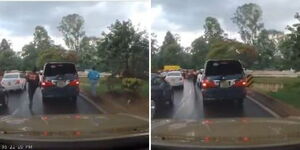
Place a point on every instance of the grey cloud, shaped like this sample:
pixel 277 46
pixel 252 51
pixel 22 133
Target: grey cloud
pixel 190 14
pixel 20 18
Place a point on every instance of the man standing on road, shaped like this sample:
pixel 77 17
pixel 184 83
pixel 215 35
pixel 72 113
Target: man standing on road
pixel 33 83
pixel 94 77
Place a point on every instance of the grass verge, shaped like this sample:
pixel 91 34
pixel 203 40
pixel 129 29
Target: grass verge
pixel 115 87
pixel 290 92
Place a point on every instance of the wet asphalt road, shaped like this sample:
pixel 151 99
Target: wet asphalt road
pixel 18 105
pixel 187 104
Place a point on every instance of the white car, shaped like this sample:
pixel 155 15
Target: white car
pixel 14 81
pixel 174 78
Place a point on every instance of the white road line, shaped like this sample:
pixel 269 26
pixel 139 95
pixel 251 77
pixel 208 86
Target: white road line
pixel 16 111
pixel 93 103
pixel 264 107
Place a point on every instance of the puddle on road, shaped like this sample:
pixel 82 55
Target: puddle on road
pixel 268 87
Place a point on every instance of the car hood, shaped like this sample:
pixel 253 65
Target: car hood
pixel 226 133
pixel 71 127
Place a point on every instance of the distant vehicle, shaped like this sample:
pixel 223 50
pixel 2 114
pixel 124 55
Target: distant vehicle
pixel 14 81
pixel 171 67
pixel 161 91
pixel 163 74
pixel 223 80
pixel 174 78
pixel 60 80
pixel 3 97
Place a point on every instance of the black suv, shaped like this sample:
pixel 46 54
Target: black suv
pixel 223 80
pixel 60 80
pixel 161 91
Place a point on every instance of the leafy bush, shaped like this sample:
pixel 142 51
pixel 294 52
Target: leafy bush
pixel 131 84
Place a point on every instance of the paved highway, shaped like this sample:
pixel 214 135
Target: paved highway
pixel 188 105
pixel 18 105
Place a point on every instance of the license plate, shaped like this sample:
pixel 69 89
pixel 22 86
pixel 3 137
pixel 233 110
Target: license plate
pixel 224 84
pixel 60 84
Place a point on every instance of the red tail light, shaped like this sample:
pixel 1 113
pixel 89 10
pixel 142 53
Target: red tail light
pixel 47 83
pixel 74 83
pixel 208 84
pixel 240 83
pixel 18 82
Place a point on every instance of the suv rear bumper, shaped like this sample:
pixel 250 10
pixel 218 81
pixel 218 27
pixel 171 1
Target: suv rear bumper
pixel 231 93
pixel 56 92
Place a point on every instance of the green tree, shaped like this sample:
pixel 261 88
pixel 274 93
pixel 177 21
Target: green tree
pixel 212 29
pixel 4 45
pixel 56 53
pixel 71 26
pixel 267 48
pixel 31 52
pixel 199 51
pixel 41 39
pixel 170 51
pixel 248 18
pixel 9 60
pixel 290 46
pixel 122 47
pixel 231 49
pixel 30 55
pixel 88 56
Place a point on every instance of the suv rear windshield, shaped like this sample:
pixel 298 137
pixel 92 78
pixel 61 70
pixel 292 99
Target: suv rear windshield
pixel 11 76
pixel 216 68
pixel 59 69
pixel 174 74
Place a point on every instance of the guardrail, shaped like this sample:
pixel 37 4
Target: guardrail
pixel 262 73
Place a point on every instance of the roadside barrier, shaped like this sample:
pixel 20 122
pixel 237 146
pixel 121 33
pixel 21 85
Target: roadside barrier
pixel 249 80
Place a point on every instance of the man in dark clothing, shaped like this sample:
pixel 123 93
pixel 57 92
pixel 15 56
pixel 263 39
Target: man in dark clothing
pixel 33 83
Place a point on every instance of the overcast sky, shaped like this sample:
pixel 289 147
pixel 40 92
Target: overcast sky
pixel 18 19
pixel 186 17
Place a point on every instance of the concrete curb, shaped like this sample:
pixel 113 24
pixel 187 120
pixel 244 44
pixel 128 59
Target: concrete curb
pixel 92 103
pixel 278 107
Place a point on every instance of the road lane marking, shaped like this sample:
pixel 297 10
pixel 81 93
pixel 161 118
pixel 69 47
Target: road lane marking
pixel 16 111
pixel 187 96
pixel 264 107
pixel 93 103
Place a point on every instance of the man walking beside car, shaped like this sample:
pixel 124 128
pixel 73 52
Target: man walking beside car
pixel 33 83
pixel 94 77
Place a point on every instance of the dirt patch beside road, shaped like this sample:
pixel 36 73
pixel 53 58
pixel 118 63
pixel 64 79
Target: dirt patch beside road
pixel 121 103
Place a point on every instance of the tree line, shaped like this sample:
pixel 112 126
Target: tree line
pixel 260 48
pixel 121 50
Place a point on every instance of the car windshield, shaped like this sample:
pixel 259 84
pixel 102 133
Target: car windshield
pixel 59 69
pixel 11 76
pixel 223 68
pixel 174 74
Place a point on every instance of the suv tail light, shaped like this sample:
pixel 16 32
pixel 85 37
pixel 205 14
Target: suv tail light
pixel 240 83
pixel 74 83
pixel 47 83
pixel 208 84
